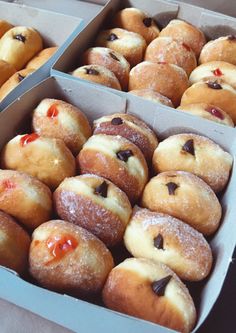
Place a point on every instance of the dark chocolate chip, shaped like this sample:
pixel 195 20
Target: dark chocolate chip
pixel 124 155
pixel 159 286
pixel 20 77
pixel 147 22
pixel 159 242
pixel 114 56
pixel 20 37
pixel 171 188
pixel 102 189
pixel 91 71
pixel 188 147
pixel 112 37
pixel 117 121
pixel 214 85
pixel 232 37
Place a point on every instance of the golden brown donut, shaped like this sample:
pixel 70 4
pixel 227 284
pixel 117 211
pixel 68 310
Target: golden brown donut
pixel 196 154
pixel 220 49
pixel 19 45
pixel 68 259
pixel 167 79
pixel 186 197
pixel 185 33
pixel 98 74
pixel 14 244
pixel 47 159
pixel 117 159
pixel 25 198
pixel 130 44
pixel 13 81
pixel 6 71
pixel 135 20
pixel 152 95
pixel 150 291
pixel 96 204
pixel 4 27
pixel 207 111
pixel 42 57
pixel 217 69
pixel 166 49
pixel 54 118
pixel 215 92
pixel 110 59
pixel 131 128
pixel 165 239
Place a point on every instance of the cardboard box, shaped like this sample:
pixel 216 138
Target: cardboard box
pixel 75 314
pixel 55 29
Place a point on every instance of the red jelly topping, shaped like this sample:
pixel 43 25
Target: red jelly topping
pixel 188 48
pixel 216 112
pixel 162 62
pixel 52 111
pixel 217 72
pixel 28 138
pixel 8 184
pixel 60 245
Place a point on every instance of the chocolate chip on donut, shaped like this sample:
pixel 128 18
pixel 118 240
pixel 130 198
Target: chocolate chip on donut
pixel 147 21
pixel 112 37
pixel 116 121
pixel 102 189
pixel 124 155
pixel 214 85
pixel 159 286
pixel 172 187
pixel 232 37
pixel 91 71
pixel 188 147
pixel 114 56
pixel 20 77
pixel 159 242
pixel 20 37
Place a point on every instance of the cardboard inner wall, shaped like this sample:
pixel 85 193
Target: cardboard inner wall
pixel 165 122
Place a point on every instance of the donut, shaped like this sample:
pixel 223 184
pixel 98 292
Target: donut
pixel 67 258
pixel 13 82
pixel 97 74
pixel 217 69
pixel 196 154
pixel 47 159
pixel 95 204
pixel 135 20
pixel 19 44
pixel 186 197
pixel 14 244
pixel 167 79
pixel 25 198
pixel 57 119
pixel 6 71
pixel 185 32
pixel 4 27
pixel 117 159
pixel 215 92
pixel 220 49
pixel 207 111
pixel 130 44
pixel 110 59
pixel 131 128
pixel 42 57
pixel 166 239
pixel 152 95
pixel 166 49
pixel 151 291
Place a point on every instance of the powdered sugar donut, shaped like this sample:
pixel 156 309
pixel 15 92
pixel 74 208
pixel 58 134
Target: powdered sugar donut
pixel 165 239
pixel 186 197
pixel 130 44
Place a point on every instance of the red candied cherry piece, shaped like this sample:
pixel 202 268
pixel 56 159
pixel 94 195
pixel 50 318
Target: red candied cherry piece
pixel 216 112
pixel 217 72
